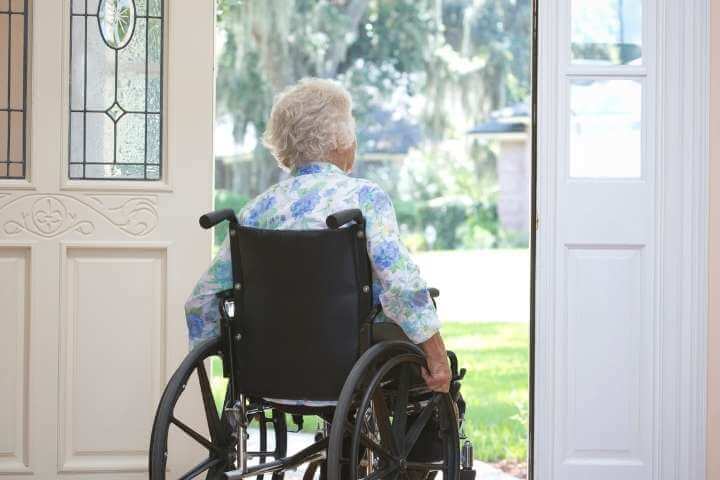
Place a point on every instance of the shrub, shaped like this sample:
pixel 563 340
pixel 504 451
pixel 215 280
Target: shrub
pixel 226 199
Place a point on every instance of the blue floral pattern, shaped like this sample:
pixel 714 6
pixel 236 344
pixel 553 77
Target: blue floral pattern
pixel 304 201
pixel 259 209
pixel 386 254
pixel 304 205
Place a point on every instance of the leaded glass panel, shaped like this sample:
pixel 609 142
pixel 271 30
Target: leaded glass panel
pixel 13 88
pixel 116 91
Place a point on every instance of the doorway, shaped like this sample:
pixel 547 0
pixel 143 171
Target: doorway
pixel 444 129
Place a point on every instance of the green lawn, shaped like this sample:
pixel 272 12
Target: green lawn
pixel 495 387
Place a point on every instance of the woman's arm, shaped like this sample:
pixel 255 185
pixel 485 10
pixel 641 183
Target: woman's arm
pixel 202 312
pixel 404 298
pixel 404 295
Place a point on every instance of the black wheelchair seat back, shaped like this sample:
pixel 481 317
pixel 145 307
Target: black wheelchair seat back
pixel 301 299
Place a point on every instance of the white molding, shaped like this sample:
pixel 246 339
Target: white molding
pixel 683 159
pixel 546 190
pixel 680 147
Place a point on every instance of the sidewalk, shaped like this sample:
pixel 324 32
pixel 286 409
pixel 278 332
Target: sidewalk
pixel 298 441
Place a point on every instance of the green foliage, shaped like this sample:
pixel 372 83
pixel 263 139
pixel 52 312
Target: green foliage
pixel 446 199
pixel 500 32
pixel 479 51
pixel 450 62
pixel 226 199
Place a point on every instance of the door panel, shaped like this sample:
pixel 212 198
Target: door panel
pixel 95 272
pixel 110 334
pixel 14 298
pixel 606 352
pixel 603 241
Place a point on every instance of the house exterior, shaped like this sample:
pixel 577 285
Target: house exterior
pixel 510 128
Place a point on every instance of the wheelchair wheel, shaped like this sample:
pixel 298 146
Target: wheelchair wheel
pixel 388 425
pixel 221 444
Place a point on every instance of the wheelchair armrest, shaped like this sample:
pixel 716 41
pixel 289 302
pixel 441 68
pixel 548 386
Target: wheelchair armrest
pixel 387 331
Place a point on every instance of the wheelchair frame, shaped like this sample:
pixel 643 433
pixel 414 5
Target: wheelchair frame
pixel 380 345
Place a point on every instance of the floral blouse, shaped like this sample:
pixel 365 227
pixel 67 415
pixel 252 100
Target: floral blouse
pixel 302 202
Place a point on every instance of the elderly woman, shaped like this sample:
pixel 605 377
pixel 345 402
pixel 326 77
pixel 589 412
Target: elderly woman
pixel 311 133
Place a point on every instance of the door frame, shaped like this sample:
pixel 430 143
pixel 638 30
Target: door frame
pixel 681 230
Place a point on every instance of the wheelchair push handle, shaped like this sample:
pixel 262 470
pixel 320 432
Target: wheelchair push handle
pixel 338 219
pixel 211 219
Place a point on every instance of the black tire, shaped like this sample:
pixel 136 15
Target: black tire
pixel 221 444
pixel 390 370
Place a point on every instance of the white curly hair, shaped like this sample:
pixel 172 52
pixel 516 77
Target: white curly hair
pixel 308 121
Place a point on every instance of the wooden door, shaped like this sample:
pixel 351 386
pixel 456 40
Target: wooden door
pixel 99 242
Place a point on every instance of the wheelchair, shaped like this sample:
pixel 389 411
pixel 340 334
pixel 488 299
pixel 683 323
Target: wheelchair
pixel 298 338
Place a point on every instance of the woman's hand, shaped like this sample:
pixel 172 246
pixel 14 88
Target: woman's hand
pixel 437 376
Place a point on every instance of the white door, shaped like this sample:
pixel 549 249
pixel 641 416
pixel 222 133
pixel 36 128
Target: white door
pixel 620 284
pixel 99 242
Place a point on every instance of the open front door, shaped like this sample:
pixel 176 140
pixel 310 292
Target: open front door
pixel 622 196
pixel 105 164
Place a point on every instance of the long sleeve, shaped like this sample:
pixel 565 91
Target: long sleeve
pixel 404 297
pixel 202 307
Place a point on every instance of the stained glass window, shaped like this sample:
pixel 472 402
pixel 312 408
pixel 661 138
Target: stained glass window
pixel 13 88
pixel 116 90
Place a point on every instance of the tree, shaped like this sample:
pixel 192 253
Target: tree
pixel 457 59
pixel 271 44
pixel 459 54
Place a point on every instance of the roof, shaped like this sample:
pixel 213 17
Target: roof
pixel 494 126
pixel 512 119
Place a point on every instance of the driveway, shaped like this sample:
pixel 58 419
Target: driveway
pixel 479 285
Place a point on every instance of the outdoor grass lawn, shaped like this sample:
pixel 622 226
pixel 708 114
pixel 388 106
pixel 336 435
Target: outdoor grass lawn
pixel 495 388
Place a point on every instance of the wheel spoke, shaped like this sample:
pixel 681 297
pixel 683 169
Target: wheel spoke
pixel 419 424
pixel 200 468
pixel 376 447
pixel 382 473
pixel 382 416
pixel 310 471
pixel 211 413
pixel 224 413
pixel 196 436
pixel 426 466
pixel 400 408
pixel 262 421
